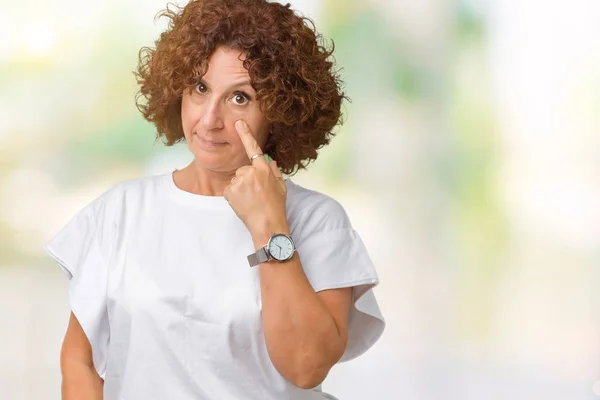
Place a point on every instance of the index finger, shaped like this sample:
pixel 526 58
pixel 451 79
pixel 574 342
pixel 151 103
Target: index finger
pixel 248 140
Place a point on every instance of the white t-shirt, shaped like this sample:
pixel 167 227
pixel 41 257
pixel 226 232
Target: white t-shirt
pixel 161 286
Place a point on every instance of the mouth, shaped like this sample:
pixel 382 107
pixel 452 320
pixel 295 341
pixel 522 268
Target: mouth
pixel 210 143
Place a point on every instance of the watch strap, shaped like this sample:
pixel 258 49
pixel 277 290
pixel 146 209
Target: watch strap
pixel 260 256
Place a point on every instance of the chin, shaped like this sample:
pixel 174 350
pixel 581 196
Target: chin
pixel 213 162
pixel 209 160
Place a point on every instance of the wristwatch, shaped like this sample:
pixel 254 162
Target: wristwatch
pixel 280 247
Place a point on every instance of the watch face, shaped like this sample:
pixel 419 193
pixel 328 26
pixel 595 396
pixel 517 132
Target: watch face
pixel 281 247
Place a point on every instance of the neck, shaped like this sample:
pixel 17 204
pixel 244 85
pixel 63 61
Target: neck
pixel 199 180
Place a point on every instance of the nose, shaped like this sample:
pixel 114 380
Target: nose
pixel 212 118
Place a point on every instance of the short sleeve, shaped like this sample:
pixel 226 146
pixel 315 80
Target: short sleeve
pixel 78 249
pixel 335 257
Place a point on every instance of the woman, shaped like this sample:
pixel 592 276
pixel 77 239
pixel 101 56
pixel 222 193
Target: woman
pixel 222 280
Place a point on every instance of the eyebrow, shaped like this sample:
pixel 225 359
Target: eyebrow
pixel 237 85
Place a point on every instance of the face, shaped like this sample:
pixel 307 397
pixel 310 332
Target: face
pixel 209 112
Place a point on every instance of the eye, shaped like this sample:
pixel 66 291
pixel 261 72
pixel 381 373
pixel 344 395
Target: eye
pixel 201 88
pixel 240 98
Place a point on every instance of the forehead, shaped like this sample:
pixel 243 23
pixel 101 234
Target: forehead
pixel 226 63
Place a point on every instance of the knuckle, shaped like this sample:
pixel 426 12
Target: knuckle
pixel 241 171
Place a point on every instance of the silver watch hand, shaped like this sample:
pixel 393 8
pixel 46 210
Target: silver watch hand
pixel 279 250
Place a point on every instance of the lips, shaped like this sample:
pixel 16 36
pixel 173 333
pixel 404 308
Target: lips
pixel 210 143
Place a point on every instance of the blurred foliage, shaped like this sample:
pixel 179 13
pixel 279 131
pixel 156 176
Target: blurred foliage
pixel 469 23
pixel 480 227
pixel 377 54
pixel 372 61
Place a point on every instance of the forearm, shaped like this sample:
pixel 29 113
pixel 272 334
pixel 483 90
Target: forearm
pixel 301 335
pixel 80 381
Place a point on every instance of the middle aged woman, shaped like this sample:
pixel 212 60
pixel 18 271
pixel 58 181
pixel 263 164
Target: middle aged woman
pixel 222 280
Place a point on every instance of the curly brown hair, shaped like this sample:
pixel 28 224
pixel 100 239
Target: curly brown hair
pixel 290 68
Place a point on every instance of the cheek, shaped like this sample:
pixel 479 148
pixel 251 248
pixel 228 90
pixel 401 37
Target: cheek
pixel 189 115
pixel 261 131
pixel 257 122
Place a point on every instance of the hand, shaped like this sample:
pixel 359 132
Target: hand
pixel 258 193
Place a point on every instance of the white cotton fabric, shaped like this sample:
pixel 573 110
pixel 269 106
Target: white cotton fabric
pixel 160 284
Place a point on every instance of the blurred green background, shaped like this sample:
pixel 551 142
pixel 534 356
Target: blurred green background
pixel 469 162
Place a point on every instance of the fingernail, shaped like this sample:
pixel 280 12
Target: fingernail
pixel 239 124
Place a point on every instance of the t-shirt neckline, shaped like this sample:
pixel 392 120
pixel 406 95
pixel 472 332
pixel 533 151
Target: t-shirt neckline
pixel 200 201
pixel 192 199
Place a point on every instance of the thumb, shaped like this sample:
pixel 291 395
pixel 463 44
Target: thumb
pixel 278 176
pixel 275 169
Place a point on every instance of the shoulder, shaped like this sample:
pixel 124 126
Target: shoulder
pixel 313 211
pixel 123 195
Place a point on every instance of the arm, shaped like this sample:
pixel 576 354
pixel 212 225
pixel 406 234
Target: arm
pixel 79 377
pixel 306 332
